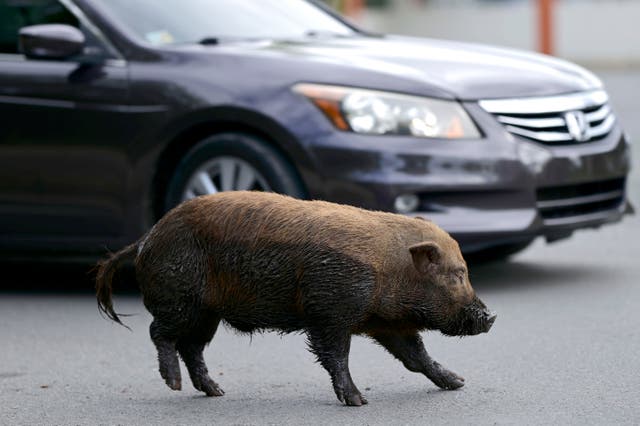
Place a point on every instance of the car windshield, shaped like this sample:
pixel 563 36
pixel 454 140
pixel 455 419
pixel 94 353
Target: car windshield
pixel 209 21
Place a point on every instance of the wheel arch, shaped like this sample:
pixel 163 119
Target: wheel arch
pixel 189 131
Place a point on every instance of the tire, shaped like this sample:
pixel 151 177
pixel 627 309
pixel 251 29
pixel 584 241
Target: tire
pixel 498 253
pixel 229 159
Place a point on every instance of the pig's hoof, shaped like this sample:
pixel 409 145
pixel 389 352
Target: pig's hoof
pixel 211 388
pixel 448 380
pixel 174 384
pixel 354 400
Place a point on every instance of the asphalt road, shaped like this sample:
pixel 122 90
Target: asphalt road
pixel 564 350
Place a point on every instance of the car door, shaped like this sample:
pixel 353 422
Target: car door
pixel 63 137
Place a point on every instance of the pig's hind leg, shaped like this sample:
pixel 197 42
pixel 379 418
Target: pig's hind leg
pixel 331 347
pixel 410 350
pixel 167 355
pixel 190 349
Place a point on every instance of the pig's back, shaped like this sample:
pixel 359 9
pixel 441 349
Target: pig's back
pixel 258 219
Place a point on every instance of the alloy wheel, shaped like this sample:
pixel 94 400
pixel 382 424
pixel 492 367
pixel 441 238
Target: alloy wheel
pixel 224 174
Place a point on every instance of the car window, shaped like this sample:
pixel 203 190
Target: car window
pixel 15 14
pixel 191 21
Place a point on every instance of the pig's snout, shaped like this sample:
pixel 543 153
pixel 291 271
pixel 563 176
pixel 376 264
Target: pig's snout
pixel 473 319
pixel 484 318
pixel 489 317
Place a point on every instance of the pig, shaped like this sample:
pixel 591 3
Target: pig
pixel 262 261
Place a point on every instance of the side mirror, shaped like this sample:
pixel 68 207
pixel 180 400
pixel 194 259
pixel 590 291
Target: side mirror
pixel 51 41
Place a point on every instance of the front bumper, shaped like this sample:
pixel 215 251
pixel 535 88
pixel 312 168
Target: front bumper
pixel 497 190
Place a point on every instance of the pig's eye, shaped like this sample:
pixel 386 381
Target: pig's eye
pixel 460 274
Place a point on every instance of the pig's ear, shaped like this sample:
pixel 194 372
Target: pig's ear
pixel 425 254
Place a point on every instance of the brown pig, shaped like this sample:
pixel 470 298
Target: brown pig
pixel 261 261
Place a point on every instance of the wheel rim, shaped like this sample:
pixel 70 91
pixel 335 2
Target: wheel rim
pixel 224 174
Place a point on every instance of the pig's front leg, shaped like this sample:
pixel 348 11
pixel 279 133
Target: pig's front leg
pixel 331 347
pixel 410 350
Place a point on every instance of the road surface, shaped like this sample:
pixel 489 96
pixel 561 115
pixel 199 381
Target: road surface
pixel 565 348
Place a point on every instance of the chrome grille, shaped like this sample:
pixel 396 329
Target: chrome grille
pixel 555 120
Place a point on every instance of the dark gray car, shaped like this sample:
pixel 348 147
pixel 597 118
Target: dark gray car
pixel 123 109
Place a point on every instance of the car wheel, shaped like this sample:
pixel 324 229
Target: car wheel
pixel 498 253
pixel 231 162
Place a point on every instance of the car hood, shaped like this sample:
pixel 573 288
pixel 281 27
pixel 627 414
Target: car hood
pixel 449 69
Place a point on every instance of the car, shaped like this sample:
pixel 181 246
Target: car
pixel 113 112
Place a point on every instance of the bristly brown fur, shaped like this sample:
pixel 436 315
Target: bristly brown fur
pixel 263 261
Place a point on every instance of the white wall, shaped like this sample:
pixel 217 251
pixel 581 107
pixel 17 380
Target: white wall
pixel 592 32
pixel 604 31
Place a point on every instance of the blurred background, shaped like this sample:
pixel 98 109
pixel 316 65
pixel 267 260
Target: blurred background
pixel 594 33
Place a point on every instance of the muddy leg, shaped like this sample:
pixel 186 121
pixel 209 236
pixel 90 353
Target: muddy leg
pixel 410 350
pixel 190 350
pixel 167 356
pixel 332 351
pixel 191 354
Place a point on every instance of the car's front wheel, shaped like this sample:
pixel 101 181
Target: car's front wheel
pixel 231 162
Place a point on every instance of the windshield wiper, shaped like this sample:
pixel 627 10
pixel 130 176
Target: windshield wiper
pixel 209 41
pixel 214 41
pixel 324 34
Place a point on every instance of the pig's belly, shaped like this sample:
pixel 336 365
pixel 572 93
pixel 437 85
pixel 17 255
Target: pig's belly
pixel 259 313
pixel 258 292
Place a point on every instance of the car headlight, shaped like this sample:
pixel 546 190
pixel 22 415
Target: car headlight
pixel 375 112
